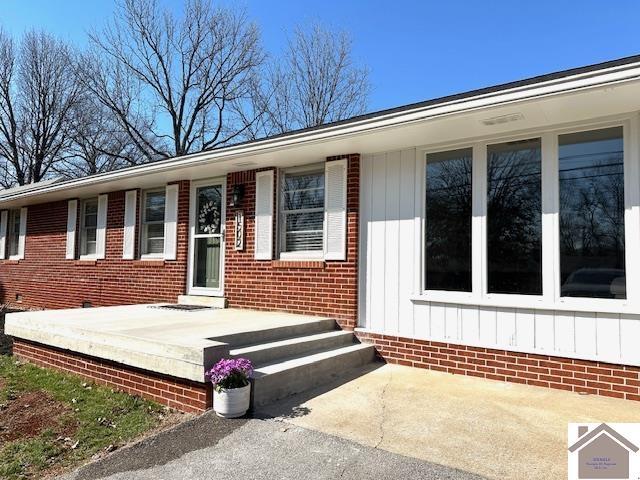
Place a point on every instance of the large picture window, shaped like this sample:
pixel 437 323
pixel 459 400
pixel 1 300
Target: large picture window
pixel 592 250
pixel 302 211
pixel 153 210
pixel 448 221
pixel 88 226
pixel 514 218
pixel 577 177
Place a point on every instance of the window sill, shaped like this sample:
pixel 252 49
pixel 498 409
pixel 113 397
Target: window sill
pixel 310 264
pixel 152 257
pixel 598 305
pixel 304 256
pixel 149 262
pixel 87 261
pixel 10 261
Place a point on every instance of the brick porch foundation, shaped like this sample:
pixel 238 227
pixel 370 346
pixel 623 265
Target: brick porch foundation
pixel 183 395
pixel 596 378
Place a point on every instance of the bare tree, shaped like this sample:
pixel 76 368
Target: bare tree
pixel 316 82
pixel 97 143
pixel 9 150
pixel 175 86
pixel 38 91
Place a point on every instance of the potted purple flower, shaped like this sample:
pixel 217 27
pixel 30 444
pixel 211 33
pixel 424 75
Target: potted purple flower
pixel 231 386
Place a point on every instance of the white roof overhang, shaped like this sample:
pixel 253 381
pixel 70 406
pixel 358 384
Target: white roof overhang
pixel 579 97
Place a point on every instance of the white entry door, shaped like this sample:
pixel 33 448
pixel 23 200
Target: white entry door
pixel 206 239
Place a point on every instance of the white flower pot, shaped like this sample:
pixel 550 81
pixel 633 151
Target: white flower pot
pixel 232 403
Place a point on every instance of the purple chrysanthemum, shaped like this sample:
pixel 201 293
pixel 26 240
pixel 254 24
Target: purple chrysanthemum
pixel 230 373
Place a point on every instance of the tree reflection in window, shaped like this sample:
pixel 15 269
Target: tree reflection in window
pixel 448 221
pixel 514 221
pixel 592 250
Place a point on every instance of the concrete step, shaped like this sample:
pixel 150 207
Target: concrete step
pixel 205 301
pixel 257 336
pixel 263 353
pixel 292 375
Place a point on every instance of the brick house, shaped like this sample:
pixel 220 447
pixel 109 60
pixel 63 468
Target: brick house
pixel 494 233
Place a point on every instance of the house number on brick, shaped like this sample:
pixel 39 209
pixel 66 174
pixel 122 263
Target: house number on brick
pixel 239 230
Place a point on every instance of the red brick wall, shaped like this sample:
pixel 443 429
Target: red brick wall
pixel 45 279
pixel 180 394
pixel 327 288
pixel 596 378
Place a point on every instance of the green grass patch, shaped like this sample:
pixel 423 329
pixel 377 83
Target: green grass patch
pixel 89 419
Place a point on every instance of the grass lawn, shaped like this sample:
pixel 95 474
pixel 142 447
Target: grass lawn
pixel 50 421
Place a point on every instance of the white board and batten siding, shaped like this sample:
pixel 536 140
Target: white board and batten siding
pixel 389 280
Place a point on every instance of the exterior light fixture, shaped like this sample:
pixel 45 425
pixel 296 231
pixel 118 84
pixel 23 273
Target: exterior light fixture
pixel 237 193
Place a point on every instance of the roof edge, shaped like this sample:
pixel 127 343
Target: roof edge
pixel 392 116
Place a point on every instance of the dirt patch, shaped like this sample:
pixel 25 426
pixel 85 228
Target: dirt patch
pixel 6 342
pixel 31 414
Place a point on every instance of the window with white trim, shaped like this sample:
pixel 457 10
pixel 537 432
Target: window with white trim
pixel 88 226
pixel 13 233
pixel 153 216
pixel 302 212
pixel 576 178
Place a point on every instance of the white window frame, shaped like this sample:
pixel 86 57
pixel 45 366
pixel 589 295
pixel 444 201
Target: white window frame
pixel 143 223
pixel 11 233
pixel 303 254
pixel 82 236
pixel 550 298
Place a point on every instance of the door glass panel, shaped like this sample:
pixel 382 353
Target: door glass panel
pixel 208 209
pixel 206 272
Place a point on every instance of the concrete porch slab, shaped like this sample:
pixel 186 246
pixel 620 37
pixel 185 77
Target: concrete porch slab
pixel 181 344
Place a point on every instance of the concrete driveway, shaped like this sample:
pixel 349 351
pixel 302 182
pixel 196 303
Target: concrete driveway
pixel 385 421
pixel 493 429
pixel 208 447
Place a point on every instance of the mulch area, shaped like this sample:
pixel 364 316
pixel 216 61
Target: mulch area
pixel 31 414
pixel 6 344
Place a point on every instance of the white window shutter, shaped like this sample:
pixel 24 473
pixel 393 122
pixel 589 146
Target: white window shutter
pixel 129 230
pixel 72 220
pixel 101 228
pixel 171 222
pixel 3 233
pixel 264 216
pixel 23 233
pixel 335 210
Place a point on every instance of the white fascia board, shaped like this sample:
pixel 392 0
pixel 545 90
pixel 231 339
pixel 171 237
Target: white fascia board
pixel 569 84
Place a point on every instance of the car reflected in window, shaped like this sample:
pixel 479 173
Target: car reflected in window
pixel 595 283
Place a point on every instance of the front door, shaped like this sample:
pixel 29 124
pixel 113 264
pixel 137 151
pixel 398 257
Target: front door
pixel 206 266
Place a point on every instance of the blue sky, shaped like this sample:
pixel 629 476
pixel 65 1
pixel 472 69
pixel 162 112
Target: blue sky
pixel 415 49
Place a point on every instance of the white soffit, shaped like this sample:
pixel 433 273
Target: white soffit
pixel 569 99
